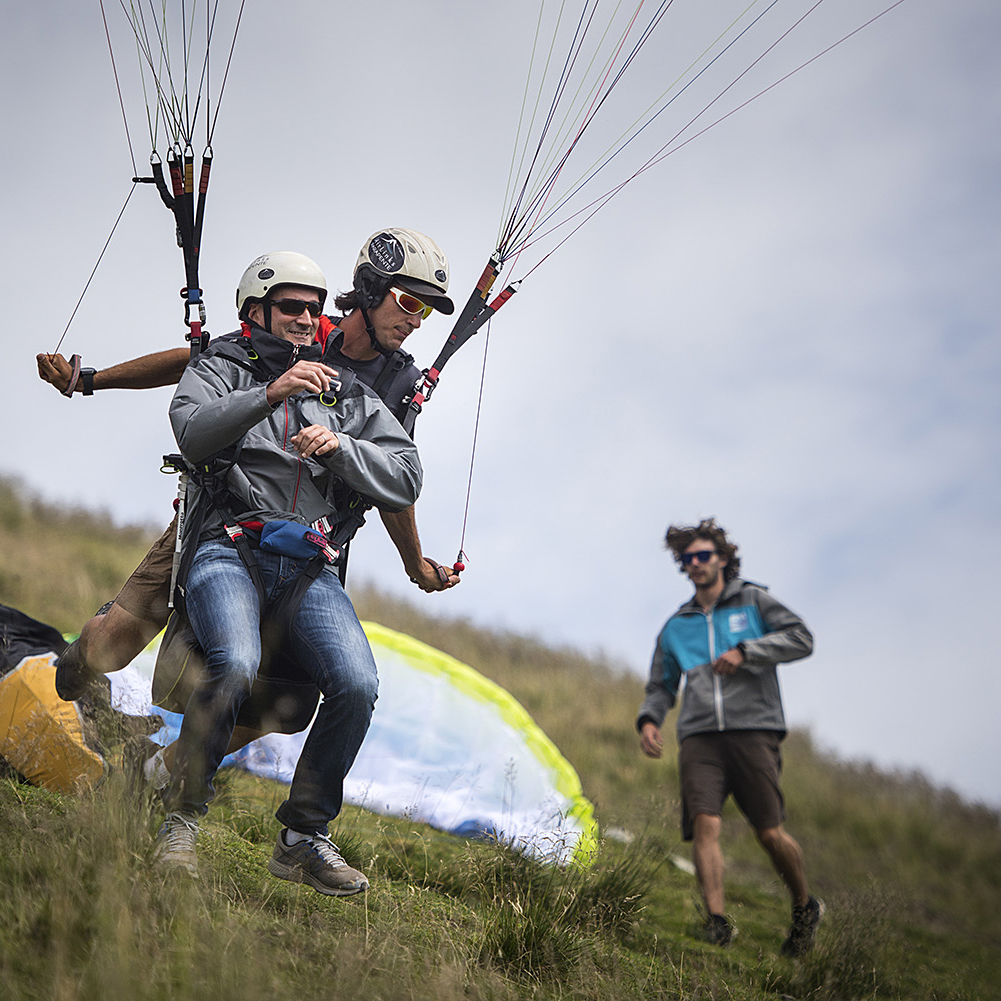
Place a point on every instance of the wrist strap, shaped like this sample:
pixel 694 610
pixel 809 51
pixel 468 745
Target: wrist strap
pixel 74 376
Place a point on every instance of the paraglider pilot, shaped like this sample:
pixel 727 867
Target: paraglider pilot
pixel 400 275
pixel 295 436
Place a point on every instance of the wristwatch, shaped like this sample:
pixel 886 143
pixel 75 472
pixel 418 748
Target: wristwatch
pixel 87 378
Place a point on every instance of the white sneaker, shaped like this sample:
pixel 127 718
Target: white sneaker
pixel 175 844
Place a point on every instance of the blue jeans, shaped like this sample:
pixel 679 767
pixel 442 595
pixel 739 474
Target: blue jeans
pixel 327 643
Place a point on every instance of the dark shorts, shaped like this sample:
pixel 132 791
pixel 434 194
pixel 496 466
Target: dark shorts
pixel 743 763
pixel 146 593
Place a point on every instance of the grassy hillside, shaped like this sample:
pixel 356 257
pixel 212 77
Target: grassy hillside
pixel 911 874
pixel 60 565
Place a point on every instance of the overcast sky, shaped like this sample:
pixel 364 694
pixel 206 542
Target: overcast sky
pixel 791 323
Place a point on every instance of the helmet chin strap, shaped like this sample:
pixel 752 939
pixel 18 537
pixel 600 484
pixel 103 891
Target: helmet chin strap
pixel 266 310
pixel 376 346
pixel 370 295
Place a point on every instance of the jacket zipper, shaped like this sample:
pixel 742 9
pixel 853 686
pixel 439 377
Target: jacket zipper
pixel 717 680
pixel 293 358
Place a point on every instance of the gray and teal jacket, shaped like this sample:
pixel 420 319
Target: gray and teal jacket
pixel 745 616
pixel 220 406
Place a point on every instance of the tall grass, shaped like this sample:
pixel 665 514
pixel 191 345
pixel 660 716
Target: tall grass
pixel 911 873
pixel 60 564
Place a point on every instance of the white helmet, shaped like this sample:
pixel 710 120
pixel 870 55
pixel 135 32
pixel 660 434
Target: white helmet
pixel 283 267
pixel 406 258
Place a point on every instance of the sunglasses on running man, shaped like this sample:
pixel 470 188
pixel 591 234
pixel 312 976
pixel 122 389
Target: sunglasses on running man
pixel 296 307
pixel 702 556
pixel 410 303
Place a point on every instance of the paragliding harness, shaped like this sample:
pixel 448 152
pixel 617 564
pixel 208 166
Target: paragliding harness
pixel 395 361
pixel 316 546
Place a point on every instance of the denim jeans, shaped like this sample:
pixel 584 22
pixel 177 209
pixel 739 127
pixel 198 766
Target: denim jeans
pixel 327 642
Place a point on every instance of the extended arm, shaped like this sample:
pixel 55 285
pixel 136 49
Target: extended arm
pixel 163 368
pixel 425 573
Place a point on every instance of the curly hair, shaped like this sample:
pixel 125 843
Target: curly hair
pixel 680 537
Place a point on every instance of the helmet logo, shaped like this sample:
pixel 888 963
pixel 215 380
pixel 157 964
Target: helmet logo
pixel 386 253
pixel 441 276
pixel 265 273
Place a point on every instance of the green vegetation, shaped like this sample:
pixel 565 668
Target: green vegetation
pixel 59 564
pixel 911 874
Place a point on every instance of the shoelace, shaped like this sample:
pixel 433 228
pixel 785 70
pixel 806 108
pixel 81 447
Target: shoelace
pixel 327 850
pixel 181 833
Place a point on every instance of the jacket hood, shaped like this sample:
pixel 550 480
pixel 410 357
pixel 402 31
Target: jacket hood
pixel 730 589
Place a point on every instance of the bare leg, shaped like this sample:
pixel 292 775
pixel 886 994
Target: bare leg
pixel 787 857
pixel 107 643
pixel 111 641
pixel 709 863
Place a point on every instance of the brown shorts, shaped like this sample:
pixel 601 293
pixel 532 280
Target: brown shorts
pixel 146 593
pixel 743 763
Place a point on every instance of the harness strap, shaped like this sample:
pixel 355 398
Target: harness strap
pixel 239 539
pixel 276 620
pixel 395 362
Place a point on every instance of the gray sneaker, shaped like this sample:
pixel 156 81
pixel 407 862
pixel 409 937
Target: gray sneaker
pixel 317 862
pixel 175 844
pixel 805 919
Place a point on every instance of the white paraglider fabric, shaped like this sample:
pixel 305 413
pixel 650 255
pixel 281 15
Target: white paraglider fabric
pixel 447 747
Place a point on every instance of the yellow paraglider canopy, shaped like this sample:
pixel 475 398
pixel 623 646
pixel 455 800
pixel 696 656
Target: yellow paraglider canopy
pixel 42 736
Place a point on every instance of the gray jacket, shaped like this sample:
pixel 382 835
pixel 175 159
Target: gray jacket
pixel 745 616
pixel 220 402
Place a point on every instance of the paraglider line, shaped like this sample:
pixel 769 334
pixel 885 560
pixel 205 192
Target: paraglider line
pixel 518 233
pixel 225 75
pixel 591 174
pixel 667 149
pixel 527 239
pixel 99 259
pixel 121 101
pixel 516 225
pixel 472 454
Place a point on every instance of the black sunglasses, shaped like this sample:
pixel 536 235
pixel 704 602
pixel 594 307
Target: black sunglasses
pixel 702 556
pixel 296 307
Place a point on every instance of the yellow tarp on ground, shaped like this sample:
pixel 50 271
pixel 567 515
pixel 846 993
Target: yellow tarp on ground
pixel 42 736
